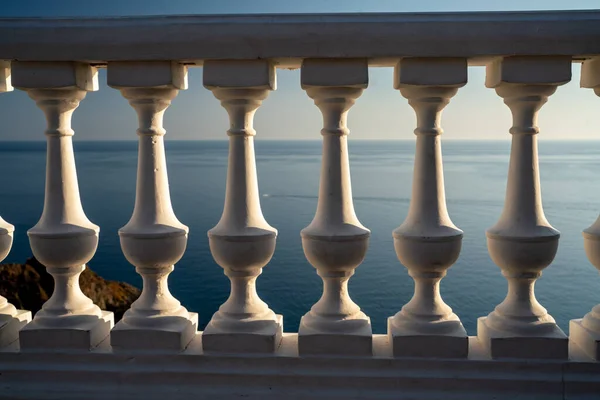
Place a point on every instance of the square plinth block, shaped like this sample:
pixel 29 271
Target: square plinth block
pixel 406 343
pixel 10 325
pixel 266 340
pixel 314 342
pixel 83 336
pixel 175 336
pixel 499 344
pixel 585 339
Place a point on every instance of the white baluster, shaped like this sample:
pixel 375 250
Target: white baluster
pixel 427 242
pixel 11 319
pixel 585 333
pixel 523 243
pixel 153 240
pixel 335 242
pixel 242 243
pixel 64 240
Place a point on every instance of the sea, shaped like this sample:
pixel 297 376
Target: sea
pixel 288 173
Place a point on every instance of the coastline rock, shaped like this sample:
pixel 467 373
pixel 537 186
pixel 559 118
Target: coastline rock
pixel 27 286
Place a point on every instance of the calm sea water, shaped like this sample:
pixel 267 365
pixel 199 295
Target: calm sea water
pixel 475 175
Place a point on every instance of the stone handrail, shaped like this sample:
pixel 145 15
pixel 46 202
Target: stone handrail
pixel 289 38
pixel 71 348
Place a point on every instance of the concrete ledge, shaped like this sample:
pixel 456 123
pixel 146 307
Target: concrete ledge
pixel 102 374
pixel 380 37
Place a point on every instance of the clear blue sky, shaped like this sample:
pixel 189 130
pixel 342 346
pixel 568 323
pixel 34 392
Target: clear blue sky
pixel 381 112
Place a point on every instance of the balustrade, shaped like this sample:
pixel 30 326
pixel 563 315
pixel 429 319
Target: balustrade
pixel 526 56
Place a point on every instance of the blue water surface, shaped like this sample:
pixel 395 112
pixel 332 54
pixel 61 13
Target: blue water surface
pixel 475 174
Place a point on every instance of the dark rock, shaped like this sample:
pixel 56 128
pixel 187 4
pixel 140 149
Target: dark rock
pixel 27 286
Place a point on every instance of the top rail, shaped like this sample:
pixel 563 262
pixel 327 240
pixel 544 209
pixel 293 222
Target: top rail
pixel 380 37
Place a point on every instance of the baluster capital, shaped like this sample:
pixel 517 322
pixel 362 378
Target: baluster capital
pixel 590 74
pixel 528 70
pixel 54 75
pixel 430 72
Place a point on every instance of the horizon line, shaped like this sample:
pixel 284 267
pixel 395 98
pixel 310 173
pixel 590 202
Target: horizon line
pixel 314 140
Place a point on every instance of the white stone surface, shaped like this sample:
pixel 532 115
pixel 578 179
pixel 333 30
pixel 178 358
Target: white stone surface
pixel 590 74
pixel 11 319
pixel 5 77
pixel 153 240
pixel 64 239
pixel 523 243
pixel 548 70
pixel 428 243
pixel 239 74
pixel 54 75
pixel 242 243
pixel 104 374
pixel 85 335
pixel 148 74
pixel 585 333
pixel 380 37
pixel 335 73
pixel 335 242
pixel 451 72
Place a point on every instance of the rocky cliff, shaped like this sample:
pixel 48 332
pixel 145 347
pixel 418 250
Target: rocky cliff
pixel 27 286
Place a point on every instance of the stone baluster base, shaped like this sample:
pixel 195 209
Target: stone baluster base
pixel 79 324
pixel 224 337
pixel 348 330
pixel 83 335
pixel 10 325
pixel 169 328
pixel 585 335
